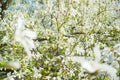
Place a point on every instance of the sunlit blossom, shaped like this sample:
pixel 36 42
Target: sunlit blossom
pixel 97 53
pixel 13 65
pixel 25 36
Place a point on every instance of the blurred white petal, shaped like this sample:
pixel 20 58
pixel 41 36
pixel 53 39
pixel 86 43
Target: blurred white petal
pixel 26 47
pixel 117 45
pixel 110 70
pixel 30 34
pixel 25 36
pixel 13 65
pixel 20 23
pixel 30 43
pixel 97 53
pixel 91 67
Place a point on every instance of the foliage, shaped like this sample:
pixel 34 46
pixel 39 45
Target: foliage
pixel 70 36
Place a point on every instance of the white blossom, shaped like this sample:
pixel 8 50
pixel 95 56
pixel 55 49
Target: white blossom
pixel 13 65
pixel 9 78
pixel 93 66
pixel 36 73
pixel 90 67
pixel 97 53
pixel 25 36
pixel 80 50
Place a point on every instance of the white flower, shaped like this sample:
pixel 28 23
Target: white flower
pixel 36 73
pixel 25 36
pixel 67 51
pixel 110 70
pixel 5 39
pixel 20 23
pixel 71 73
pixel 73 12
pixel 97 53
pixel 49 5
pixel 79 50
pixel 90 67
pixel 48 77
pixel 76 59
pixel 59 78
pixel 9 78
pixel 13 65
pixel 30 34
pixel 62 7
pixel 71 41
pixel 93 66
pixel 117 45
pixel 62 30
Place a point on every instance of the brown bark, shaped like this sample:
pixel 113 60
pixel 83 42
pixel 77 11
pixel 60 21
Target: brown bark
pixel 4 6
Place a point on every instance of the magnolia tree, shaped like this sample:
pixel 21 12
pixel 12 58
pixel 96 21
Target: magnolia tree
pixel 60 40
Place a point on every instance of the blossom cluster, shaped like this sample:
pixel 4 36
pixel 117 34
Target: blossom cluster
pixel 60 40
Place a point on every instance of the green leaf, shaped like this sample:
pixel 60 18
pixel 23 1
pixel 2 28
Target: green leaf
pixel 2 64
